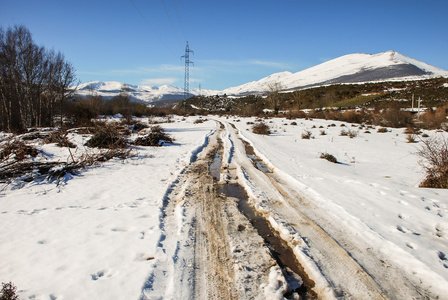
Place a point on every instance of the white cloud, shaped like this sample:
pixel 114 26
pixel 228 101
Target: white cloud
pixel 158 81
pixel 271 64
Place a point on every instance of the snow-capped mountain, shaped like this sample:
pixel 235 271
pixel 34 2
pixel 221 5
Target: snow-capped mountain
pixel 140 93
pixel 351 68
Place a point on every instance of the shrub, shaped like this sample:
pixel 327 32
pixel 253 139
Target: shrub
pixel 107 136
pixel 329 157
pixel 435 162
pixel 394 117
pixel 157 137
pixel 382 130
pixel 411 130
pixel 261 128
pixel 307 134
pixel 199 121
pixel 322 132
pixel 294 123
pixel 410 138
pixel 432 119
pixel 350 133
pixel 8 291
pixel 352 116
pixel 17 148
pixel 60 138
pixel 139 126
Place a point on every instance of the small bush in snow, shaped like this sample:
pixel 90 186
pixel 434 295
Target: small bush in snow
pixel 307 134
pixel 329 157
pixel 107 136
pixel 411 130
pixel 60 138
pixel 157 137
pixel 410 138
pixel 261 128
pixel 382 130
pixel 350 133
pixel 199 121
pixel 138 126
pixel 17 150
pixel 8 291
pixel 435 162
pixel 322 132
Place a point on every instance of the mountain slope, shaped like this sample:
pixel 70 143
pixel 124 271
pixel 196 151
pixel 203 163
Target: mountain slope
pixel 350 68
pixel 139 93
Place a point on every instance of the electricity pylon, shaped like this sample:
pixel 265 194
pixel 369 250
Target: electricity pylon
pixel 187 70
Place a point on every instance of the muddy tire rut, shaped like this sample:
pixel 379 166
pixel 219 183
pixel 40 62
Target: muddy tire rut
pixel 225 248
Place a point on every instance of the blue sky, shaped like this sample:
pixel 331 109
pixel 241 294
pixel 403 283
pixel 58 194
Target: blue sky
pixel 234 41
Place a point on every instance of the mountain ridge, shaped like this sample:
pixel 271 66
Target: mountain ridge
pixel 350 68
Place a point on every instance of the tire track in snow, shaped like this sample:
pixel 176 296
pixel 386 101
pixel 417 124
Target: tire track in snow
pixel 323 255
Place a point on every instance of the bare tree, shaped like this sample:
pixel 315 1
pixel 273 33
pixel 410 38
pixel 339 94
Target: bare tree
pixel 273 92
pixel 32 80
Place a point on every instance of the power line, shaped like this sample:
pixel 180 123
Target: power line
pixel 149 25
pixel 171 21
pixel 180 19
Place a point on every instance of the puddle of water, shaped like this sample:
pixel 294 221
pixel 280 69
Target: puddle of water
pixel 256 161
pixel 299 283
pixel 297 280
pixel 215 167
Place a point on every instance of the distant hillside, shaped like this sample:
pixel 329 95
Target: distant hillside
pixel 352 68
pixel 432 92
pixel 138 93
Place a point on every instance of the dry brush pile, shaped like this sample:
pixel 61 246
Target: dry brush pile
pixel 22 158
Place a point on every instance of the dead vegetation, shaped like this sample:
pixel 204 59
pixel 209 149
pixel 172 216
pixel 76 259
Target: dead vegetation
pixel 16 150
pixel 21 160
pixel 261 128
pixel 434 153
pixel 156 137
pixel 60 138
pixel 109 136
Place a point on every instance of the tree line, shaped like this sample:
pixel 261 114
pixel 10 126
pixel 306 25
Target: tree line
pixel 34 82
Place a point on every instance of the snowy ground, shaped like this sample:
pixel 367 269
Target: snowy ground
pixel 372 193
pixel 94 237
pixel 98 235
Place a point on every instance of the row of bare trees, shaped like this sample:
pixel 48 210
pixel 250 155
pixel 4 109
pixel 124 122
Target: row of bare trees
pixel 34 82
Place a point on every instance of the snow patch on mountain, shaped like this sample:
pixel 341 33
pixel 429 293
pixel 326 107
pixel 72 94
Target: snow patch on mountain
pixel 356 67
pixel 140 93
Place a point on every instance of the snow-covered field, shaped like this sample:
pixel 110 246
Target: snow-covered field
pixel 96 235
pixel 373 192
